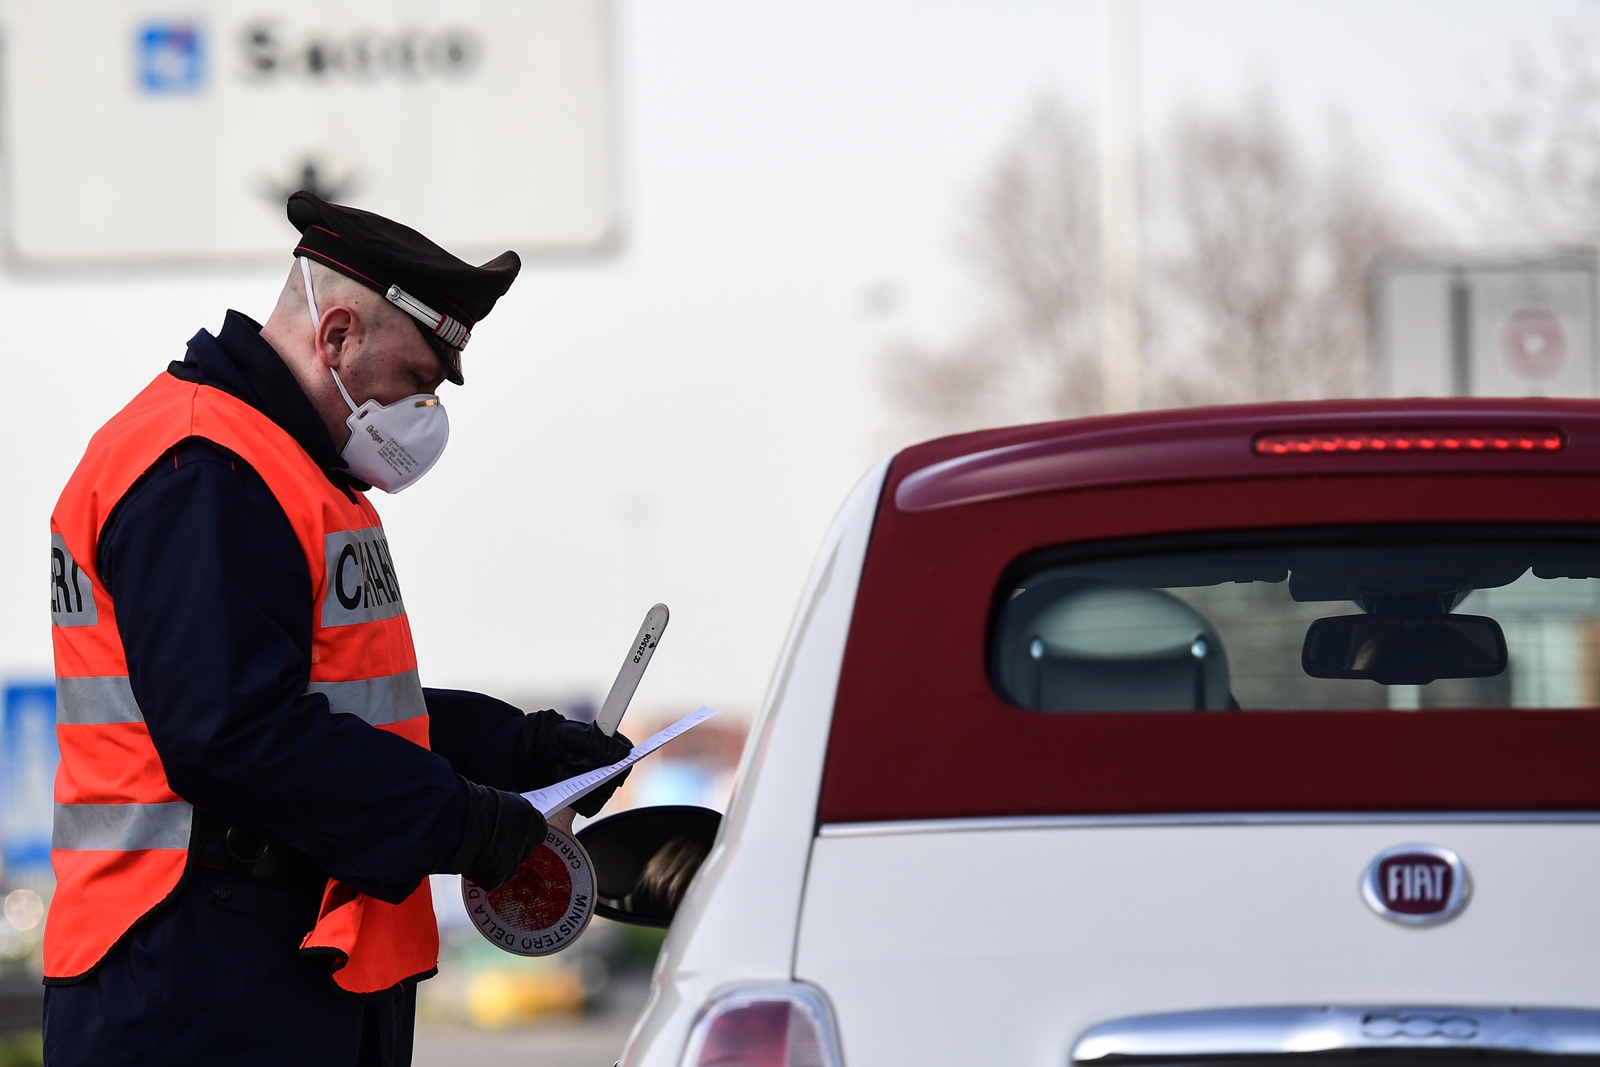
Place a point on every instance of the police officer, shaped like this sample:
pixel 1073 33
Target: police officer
pixel 253 783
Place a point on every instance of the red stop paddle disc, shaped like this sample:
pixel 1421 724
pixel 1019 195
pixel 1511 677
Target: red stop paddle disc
pixel 544 907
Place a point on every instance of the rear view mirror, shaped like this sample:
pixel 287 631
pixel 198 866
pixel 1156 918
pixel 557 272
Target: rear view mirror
pixel 1393 651
pixel 644 860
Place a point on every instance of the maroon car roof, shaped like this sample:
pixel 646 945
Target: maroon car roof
pixel 919 732
pixel 1217 442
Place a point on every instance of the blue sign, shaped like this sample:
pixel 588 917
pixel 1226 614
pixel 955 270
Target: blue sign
pixel 27 774
pixel 172 57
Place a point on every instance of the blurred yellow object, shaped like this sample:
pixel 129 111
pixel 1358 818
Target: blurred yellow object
pixel 502 998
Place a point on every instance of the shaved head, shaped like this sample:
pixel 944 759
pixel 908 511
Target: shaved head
pixel 333 289
pixel 374 347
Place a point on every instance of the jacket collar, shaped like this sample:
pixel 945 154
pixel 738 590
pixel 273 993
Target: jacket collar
pixel 240 362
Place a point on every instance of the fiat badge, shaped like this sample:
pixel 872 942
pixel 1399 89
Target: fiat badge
pixel 1416 885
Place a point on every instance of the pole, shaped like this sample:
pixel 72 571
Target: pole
pixel 1119 205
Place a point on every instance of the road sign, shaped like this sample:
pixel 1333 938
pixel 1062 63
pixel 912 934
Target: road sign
pixel 28 757
pixel 1508 326
pixel 137 135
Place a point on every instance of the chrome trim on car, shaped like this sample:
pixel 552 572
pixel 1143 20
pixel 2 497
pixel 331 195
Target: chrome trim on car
pixel 1225 818
pixel 1280 1031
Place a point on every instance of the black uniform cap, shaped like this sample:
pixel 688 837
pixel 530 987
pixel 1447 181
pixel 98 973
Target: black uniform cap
pixel 444 295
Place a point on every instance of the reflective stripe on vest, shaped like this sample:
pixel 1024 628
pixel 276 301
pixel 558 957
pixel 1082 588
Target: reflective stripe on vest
pixel 376 701
pixel 120 827
pixel 394 698
pixel 121 836
pixel 86 701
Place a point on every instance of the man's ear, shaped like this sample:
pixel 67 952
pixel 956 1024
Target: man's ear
pixel 340 334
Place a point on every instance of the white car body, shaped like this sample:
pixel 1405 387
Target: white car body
pixel 1007 940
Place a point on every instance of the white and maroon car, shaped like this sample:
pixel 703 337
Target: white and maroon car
pixel 1243 736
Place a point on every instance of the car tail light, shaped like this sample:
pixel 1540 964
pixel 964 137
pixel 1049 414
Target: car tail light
pixel 1407 441
pixel 772 1025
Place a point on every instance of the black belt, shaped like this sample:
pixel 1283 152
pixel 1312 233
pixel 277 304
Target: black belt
pixel 226 846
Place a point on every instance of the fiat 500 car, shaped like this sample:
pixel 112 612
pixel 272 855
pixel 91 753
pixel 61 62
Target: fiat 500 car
pixel 1244 736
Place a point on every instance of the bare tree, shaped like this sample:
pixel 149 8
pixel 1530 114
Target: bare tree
pixel 1532 145
pixel 1257 287
pixel 1263 294
pixel 1034 248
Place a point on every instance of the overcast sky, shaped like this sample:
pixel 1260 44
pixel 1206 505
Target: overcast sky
pixel 680 419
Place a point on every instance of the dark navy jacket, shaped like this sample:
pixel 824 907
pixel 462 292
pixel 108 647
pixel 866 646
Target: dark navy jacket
pixel 213 603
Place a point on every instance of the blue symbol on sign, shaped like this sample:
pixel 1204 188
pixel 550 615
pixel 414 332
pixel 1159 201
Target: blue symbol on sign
pixel 28 758
pixel 172 57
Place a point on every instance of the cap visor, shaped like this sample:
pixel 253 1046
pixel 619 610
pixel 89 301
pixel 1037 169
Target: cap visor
pixel 450 358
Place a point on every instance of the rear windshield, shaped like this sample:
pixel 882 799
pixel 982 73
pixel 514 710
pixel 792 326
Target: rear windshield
pixel 1460 618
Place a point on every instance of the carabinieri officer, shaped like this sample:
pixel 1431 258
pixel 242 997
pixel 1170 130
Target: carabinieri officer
pixel 254 785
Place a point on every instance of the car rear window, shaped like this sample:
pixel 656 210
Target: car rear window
pixel 1398 619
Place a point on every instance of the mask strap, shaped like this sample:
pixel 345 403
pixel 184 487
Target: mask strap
pixel 344 392
pixel 316 324
pixel 311 299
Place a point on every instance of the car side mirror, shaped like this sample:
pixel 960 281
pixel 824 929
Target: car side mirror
pixel 1394 651
pixel 644 860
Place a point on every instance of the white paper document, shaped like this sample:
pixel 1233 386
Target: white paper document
pixel 552 798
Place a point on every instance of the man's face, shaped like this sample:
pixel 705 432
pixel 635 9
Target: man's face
pixel 377 350
pixel 396 362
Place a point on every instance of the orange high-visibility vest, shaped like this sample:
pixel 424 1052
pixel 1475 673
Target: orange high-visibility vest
pixel 121 837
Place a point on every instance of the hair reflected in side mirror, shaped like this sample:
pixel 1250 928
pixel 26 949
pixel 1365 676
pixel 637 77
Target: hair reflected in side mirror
pixel 645 859
pixel 666 877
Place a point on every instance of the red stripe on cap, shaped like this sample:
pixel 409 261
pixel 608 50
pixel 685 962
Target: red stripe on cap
pixel 379 286
pixel 330 261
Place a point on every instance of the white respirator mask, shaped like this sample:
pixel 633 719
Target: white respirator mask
pixel 391 445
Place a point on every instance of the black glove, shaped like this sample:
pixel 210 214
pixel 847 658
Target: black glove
pixel 502 832
pixel 559 748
